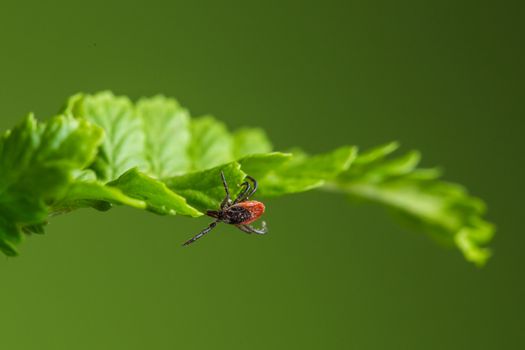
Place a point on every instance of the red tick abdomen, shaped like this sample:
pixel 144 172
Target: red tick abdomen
pixel 255 208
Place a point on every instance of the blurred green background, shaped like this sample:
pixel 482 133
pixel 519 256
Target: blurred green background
pixel 445 77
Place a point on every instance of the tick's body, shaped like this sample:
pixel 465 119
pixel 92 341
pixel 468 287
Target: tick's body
pixel 241 212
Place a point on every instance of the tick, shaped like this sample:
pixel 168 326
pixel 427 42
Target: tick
pixel 240 212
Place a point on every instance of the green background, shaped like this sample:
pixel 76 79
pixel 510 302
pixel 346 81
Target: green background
pixel 445 77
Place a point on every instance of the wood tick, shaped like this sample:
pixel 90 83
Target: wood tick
pixel 240 212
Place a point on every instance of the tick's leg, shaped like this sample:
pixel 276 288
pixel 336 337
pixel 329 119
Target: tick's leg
pixel 202 233
pixel 243 228
pixel 227 200
pixel 248 191
pixel 242 195
pixel 250 229
pixel 213 213
pixel 254 189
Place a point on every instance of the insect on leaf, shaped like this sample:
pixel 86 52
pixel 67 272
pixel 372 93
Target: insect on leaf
pixel 106 150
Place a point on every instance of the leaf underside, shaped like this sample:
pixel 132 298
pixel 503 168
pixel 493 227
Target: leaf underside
pixel 104 150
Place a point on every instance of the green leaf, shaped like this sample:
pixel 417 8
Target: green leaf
pixel 249 141
pixel 260 165
pixel 84 194
pixel 38 229
pixel 377 153
pixel 38 162
pixel 443 210
pixel 124 144
pixel 155 194
pixel 303 173
pixel 204 189
pixel 10 237
pixel 211 144
pixel 167 135
pixel 106 150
